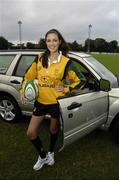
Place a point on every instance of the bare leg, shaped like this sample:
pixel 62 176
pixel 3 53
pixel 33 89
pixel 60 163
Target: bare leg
pixel 32 134
pixel 35 122
pixel 54 130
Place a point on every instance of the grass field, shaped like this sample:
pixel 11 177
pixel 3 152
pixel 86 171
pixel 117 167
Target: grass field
pixel 94 157
pixel 111 61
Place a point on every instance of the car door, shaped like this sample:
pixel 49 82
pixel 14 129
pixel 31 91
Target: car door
pixel 16 79
pixel 83 111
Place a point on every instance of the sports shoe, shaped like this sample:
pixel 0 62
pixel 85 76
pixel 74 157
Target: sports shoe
pixel 50 158
pixel 40 163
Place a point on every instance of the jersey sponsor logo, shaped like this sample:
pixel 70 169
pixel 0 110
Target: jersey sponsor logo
pixel 46 85
pixel 47 81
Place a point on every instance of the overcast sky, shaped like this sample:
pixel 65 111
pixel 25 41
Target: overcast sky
pixel 70 17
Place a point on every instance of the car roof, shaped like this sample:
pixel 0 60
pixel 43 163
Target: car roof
pixel 20 51
pixel 37 51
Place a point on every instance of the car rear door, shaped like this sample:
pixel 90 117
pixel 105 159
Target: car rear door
pixel 15 80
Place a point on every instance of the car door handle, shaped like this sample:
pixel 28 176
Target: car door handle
pixel 15 82
pixel 74 105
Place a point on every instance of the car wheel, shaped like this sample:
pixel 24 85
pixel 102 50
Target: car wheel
pixel 116 132
pixel 9 110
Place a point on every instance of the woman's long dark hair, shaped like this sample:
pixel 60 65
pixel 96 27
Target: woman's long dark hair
pixel 63 47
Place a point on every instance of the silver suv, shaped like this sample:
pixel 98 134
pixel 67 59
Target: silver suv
pixel 82 111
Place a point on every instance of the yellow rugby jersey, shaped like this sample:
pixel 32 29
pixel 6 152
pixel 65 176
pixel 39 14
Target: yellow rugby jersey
pixel 49 77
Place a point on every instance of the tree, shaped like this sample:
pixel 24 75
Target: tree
pixel 42 44
pixel 30 45
pixel 3 43
pixel 10 45
pixel 92 45
pixel 75 46
pixel 113 45
pixel 100 45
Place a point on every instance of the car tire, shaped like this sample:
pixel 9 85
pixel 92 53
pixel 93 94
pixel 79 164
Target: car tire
pixel 115 132
pixel 9 110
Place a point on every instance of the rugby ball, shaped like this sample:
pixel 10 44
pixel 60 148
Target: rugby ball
pixel 31 89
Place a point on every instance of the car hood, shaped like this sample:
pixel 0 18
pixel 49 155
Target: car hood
pixel 114 92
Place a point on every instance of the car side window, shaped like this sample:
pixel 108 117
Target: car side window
pixel 23 64
pixel 88 82
pixel 5 61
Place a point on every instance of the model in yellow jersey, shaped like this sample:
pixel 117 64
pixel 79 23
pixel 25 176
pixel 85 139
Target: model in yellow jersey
pixel 50 70
pixel 48 78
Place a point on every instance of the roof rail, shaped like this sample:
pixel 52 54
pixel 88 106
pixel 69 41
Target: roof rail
pixel 22 50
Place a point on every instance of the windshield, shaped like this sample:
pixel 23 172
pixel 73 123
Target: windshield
pixel 102 71
pixel 5 61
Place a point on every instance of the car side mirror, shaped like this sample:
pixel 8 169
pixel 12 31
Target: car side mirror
pixel 105 85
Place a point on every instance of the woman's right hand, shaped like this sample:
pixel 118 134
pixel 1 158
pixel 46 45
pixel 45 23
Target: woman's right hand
pixel 23 99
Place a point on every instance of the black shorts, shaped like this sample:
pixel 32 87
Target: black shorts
pixel 43 109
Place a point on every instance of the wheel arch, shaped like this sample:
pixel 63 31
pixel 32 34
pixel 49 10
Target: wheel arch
pixel 116 118
pixel 3 93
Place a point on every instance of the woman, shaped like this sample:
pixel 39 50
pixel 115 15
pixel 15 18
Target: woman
pixel 49 68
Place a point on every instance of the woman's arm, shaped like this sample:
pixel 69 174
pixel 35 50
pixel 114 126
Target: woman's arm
pixel 73 78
